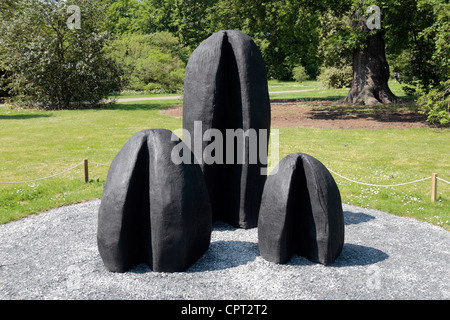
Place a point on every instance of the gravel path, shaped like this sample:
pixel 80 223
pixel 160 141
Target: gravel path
pixel 54 256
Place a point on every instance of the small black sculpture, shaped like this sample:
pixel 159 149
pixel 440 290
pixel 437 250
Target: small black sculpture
pixel 301 212
pixel 226 87
pixel 153 211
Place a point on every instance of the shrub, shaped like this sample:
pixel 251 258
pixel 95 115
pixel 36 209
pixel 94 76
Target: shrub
pixel 299 74
pixel 51 65
pixel 409 90
pixel 333 77
pixel 436 105
pixel 152 63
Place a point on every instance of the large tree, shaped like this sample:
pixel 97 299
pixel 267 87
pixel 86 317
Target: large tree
pixel 407 32
pixel 54 53
pixel 352 33
pixel 314 33
pixel 370 68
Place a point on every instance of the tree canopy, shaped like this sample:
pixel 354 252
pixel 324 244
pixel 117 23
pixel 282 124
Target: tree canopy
pixel 308 34
pixel 51 64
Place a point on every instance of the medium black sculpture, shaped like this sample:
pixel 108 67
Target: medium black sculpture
pixel 153 211
pixel 301 212
pixel 225 87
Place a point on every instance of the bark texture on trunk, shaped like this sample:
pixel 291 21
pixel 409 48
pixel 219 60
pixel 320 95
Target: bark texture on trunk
pixel 370 74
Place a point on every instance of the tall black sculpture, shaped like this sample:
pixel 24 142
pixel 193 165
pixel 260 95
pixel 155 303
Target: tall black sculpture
pixel 152 210
pixel 225 87
pixel 301 212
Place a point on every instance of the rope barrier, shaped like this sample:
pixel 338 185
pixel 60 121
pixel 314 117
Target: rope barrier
pixel 443 180
pixel 379 185
pixel 54 175
pixel 343 177
pixel 99 164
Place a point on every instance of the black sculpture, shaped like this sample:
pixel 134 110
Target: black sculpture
pixel 158 210
pixel 301 212
pixel 225 87
pixel 153 211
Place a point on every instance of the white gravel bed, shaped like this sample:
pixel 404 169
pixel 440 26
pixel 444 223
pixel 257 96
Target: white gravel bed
pixel 54 255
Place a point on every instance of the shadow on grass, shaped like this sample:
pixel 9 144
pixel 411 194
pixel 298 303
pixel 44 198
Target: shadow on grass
pixel 144 105
pixel 405 112
pixel 24 116
pixel 386 116
pixel 308 99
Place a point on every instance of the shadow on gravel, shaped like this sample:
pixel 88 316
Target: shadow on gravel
pixel 230 254
pixel 356 217
pixel 351 255
pixel 226 254
pixel 357 255
pixel 220 255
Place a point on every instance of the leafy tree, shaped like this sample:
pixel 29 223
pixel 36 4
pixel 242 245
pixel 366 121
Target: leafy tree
pixel 283 30
pixel 141 16
pixel 414 42
pixel 412 33
pixel 7 8
pixel 193 21
pixel 435 102
pixel 413 36
pixel 347 34
pixel 124 16
pixel 52 65
pixel 159 15
pixel 152 63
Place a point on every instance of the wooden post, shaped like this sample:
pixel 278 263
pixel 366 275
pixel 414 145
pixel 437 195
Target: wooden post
pixel 433 187
pixel 86 171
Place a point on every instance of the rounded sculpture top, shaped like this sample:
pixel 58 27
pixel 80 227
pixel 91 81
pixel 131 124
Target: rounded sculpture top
pixel 225 87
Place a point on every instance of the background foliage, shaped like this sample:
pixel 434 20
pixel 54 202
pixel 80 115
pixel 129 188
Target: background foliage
pixel 315 34
pixel 152 62
pixel 333 77
pixel 50 65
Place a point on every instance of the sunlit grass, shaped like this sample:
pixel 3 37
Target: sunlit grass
pixel 382 157
pixel 35 144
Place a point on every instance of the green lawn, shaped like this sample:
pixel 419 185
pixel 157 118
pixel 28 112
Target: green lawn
pixel 35 144
pixel 382 157
pixel 316 91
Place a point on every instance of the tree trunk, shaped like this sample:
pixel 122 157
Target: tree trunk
pixel 370 74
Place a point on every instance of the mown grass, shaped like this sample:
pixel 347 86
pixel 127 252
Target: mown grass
pixel 316 91
pixel 382 157
pixel 35 144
